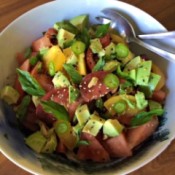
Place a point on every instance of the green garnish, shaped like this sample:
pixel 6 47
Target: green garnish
pixel 111 81
pixel 30 84
pixel 73 73
pixel 145 117
pixel 57 110
pixel 99 65
pixel 102 30
pixel 120 107
pixel 78 47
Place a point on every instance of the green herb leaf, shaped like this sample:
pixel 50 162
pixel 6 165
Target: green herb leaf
pixel 145 117
pixel 28 52
pixel 99 65
pixel 30 84
pixel 73 73
pixel 57 110
pixel 22 108
pixel 102 30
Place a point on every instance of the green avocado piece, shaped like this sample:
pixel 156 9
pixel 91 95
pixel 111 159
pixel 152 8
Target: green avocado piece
pixel 64 37
pixel 141 102
pixel 96 47
pixel 9 95
pixel 132 64
pixel 36 141
pixel 153 81
pixel 110 51
pixel 154 105
pixel 73 94
pixel 50 145
pixel 111 65
pixel 60 80
pixel 143 73
pixel 80 21
pixel 82 113
pixel 112 128
pixel 71 58
pixel 93 125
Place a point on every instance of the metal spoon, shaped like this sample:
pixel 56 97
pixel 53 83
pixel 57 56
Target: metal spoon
pixel 125 29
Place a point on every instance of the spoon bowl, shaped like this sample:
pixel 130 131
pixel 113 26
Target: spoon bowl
pixel 126 30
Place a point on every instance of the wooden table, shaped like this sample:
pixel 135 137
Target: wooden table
pixel 162 10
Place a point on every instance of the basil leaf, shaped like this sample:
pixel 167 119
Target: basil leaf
pixel 30 84
pixel 84 37
pixel 22 108
pixel 99 65
pixel 102 30
pixel 145 117
pixel 57 110
pixel 73 73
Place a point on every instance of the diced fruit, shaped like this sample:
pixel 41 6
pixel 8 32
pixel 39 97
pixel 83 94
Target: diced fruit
pixel 80 21
pixel 143 73
pixel 105 40
pixel 64 37
pixel 96 47
pixel 56 56
pixel 111 66
pixel 93 125
pixel 99 90
pixel 137 135
pixel 71 58
pixel 112 128
pixel 82 114
pixel 94 151
pixel 141 102
pixel 90 60
pixel 133 64
pixel 117 146
pixel 159 96
pixel 157 70
pixel 43 42
pixel 60 80
pixel 36 141
pixel 153 81
pixel 9 95
pixel 81 64
pixel 154 105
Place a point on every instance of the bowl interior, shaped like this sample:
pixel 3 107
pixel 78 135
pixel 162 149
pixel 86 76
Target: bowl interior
pixel 20 34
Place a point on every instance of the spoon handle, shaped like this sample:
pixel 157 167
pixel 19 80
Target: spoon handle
pixel 165 54
pixel 160 35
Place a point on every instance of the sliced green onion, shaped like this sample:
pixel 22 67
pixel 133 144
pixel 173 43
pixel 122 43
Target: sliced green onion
pixel 120 107
pixel 51 69
pixel 78 47
pixel 122 50
pixel 111 81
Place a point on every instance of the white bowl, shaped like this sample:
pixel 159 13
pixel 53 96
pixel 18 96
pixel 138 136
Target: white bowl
pixel 19 35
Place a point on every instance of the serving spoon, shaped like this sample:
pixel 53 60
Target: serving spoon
pixel 125 29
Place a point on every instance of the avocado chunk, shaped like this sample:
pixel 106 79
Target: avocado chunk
pixel 60 80
pixel 112 128
pixel 94 125
pixel 9 95
pixel 141 102
pixel 80 21
pixel 111 65
pixel 64 37
pixel 82 113
pixel 71 58
pixel 96 47
pixel 73 94
pixel 153 81
pixel 154 105
pixel 143 73
pixel 50 145
pixel 36 141
pixel 133 64
pixel 110 51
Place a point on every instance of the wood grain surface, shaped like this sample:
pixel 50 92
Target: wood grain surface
pixel 162 10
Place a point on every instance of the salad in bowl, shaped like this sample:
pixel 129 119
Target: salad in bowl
pixel 80 92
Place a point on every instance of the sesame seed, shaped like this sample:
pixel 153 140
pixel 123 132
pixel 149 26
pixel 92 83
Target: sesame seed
pixel 80 86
